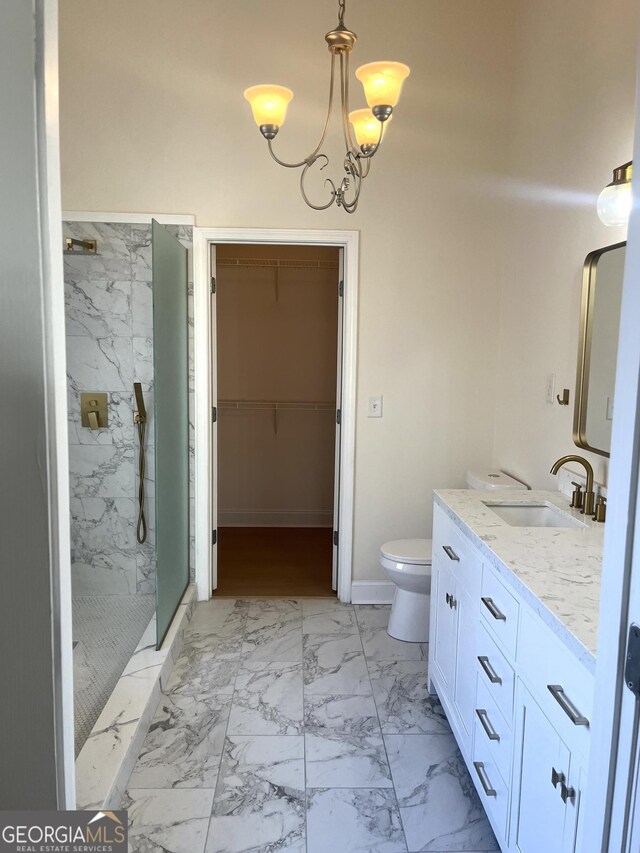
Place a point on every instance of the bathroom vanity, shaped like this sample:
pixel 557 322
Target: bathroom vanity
pixel 514 616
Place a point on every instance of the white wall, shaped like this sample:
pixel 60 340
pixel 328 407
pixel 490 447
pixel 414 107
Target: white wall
pixel 153 119
pixel 573 115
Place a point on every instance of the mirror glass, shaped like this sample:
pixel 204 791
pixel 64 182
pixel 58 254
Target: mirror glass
pixel 599 326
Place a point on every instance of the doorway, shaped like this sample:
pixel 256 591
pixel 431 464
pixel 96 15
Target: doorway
pixel 278 331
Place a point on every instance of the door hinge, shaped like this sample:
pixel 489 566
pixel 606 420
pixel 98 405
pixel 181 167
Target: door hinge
pixel 335 537
pixel 214 537
pixel 341 289
pixel 214 414
pixel 213 284
pixel 339 417
pixel 632 668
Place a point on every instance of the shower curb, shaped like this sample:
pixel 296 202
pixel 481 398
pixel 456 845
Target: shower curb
pixel 106 760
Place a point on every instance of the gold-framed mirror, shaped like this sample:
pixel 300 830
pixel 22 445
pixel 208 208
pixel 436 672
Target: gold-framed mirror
pixel 603 274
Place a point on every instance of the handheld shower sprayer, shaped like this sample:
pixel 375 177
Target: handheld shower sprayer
pixel 140 419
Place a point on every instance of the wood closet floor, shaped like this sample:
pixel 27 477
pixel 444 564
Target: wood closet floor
pixel 274 561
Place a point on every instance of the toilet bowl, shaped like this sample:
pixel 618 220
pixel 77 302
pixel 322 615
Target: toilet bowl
pixel 407 562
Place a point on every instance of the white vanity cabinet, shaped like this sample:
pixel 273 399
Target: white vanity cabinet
pixel 455 588
pixel 518 699
pixel 547 799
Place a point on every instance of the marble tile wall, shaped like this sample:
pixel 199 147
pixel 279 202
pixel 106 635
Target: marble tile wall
pixel 109 319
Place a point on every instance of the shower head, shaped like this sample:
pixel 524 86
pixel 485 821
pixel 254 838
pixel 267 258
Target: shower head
pixel 140 417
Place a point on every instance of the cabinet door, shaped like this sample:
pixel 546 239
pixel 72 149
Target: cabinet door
pixel 465 661
pixel 445 629
pixel 543 820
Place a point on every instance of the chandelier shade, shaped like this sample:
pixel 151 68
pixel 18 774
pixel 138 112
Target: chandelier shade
pixel 269 104
pixel 382 82
pixel 362 130
pixel 366 128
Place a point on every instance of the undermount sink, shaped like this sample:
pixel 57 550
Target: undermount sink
pixel 533 515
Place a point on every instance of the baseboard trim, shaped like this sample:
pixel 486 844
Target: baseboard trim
pixel 372 592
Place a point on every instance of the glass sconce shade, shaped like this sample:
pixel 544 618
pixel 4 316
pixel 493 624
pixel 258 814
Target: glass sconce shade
pixel 614 202
pixel 269 104
pixel 382 82
pixel 367 127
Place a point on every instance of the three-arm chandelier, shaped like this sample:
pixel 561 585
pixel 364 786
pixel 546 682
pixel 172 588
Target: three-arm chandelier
pixel 382 82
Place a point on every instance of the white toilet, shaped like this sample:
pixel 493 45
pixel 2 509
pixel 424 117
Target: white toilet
pixel 407 562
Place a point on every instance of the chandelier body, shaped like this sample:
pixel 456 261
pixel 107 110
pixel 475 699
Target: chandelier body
pixel 382 82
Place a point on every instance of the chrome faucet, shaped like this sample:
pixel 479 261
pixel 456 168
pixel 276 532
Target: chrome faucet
pixel 587 507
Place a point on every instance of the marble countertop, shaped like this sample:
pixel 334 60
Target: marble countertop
pixel 555 570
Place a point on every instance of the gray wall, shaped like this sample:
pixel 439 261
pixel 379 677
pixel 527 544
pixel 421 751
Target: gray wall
pixel 109 328
pixel 27 707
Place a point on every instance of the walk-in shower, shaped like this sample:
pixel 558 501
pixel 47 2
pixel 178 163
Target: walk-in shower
pixel 127 339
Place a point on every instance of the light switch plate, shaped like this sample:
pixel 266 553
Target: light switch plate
pixel 374 409
pixel 550 388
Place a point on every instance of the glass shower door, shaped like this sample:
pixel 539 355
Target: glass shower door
pixel 171 397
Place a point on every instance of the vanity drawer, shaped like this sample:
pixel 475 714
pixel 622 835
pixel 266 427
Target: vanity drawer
pixel 452 546
pixel 500 610
pixel 490 785
pixel 563 687
pixel 493 730
pixel 494 672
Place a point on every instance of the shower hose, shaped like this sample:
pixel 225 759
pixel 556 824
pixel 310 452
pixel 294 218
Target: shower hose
pixel 141 529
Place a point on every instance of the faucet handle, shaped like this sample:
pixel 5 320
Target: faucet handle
pixel 601 509
pixel 576 498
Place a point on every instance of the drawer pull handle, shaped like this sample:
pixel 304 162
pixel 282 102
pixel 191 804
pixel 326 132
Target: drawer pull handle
pixel 447 598
pixel 484 779
pixel 489 671
pixel 451 554
pixel 567 793
pixel 567 706
pixel 493 610
pixel 556 778
pixel 490 732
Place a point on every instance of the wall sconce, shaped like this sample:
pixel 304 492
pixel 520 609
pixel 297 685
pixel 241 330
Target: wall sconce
pixel 614 202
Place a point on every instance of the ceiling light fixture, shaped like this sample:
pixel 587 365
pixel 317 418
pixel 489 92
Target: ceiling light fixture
pixel 614 202
pixel 382 82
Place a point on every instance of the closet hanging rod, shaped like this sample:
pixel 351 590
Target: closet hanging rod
pixel 276 262
pixel 279 405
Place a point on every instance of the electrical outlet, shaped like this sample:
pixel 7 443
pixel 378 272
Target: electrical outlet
pixel 374 408
pixel 550 394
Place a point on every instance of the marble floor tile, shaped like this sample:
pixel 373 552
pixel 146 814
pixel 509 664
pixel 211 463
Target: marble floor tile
pixel 184 743
pixel 267 700
pixel 404 706
pixel 259 803
pixel 168 821
pixel 273 635
pixel 378 645
pixel 346 760
pixel 335 664
pixel 440 808
pixel 349 715
pixel 312 606
pixel 222 617
pixel 354 820
pixel 334 621
pixel 201 673
pixel 256 606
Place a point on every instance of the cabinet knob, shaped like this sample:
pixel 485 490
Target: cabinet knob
pixel 567 793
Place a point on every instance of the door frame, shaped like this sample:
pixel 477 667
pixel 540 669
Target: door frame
pixel 205 390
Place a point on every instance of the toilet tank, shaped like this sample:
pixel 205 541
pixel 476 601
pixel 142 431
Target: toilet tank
pixel 490 478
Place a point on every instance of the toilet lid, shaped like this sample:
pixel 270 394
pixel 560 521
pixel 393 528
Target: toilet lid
pixel 416 551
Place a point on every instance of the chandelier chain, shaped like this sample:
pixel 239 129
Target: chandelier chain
pixel 341 5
